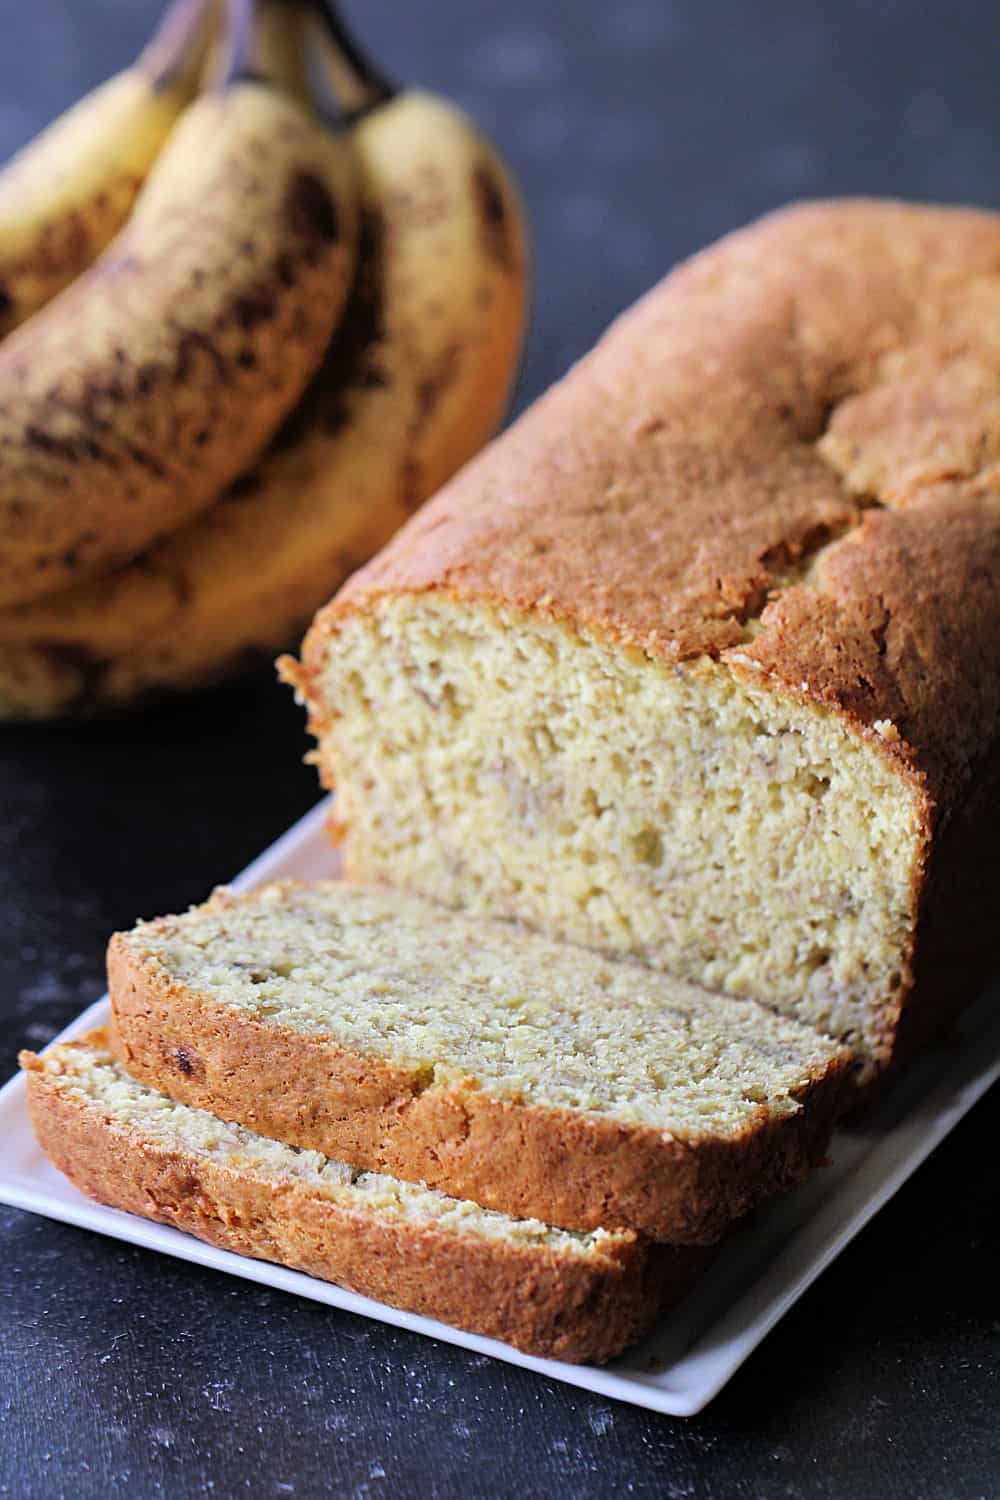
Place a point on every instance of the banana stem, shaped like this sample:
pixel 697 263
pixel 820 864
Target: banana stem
pixel 265 40
pixel 175 53
pixel 233 60
pixel 357 82
pixel 268 40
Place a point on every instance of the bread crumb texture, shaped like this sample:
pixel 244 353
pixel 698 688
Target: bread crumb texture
pixel 677 814
pixel 455 998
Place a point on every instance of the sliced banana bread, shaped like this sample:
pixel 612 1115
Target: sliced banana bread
pixel 700 662
pixel 570 1296
pixel 477 1057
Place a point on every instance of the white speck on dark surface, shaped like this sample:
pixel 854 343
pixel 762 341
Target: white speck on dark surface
pixel 600 1420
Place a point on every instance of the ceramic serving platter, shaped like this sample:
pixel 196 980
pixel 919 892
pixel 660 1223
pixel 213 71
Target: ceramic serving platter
pixel 754 1281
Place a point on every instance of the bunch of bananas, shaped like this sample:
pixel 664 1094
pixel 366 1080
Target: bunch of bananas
pixel 240 346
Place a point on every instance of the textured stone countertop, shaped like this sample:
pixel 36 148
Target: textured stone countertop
pixel 640 131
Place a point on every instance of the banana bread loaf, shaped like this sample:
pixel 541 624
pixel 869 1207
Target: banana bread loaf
pixel 700 662
pixel 569 1296
pixel 483 1060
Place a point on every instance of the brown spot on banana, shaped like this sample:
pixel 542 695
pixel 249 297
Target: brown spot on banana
pixel 497 234
pixel 255 306
pixel 348 362
pixel 311 209
pixel 443 373
pixel 430 390
pixel 80 671
pixel 409 483
pixel 247 484
pixel 126 406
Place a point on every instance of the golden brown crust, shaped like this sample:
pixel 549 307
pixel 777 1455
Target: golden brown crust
pixel 570 1170
pixel 577 1308
pixel 733 425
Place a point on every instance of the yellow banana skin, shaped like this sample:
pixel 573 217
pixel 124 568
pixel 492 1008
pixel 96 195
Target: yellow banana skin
pixel 134 398
pixel 413 383
pixel 65 196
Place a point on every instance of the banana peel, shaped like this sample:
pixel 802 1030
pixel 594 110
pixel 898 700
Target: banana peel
pixel 66 195
pixel 411 386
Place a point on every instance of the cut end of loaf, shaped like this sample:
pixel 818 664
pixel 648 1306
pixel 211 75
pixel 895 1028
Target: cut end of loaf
pixel 686 814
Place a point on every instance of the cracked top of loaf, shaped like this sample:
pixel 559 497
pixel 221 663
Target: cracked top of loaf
pixel 786 457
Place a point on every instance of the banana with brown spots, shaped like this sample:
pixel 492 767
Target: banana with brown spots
pixel 66 194
pixel 132 400
pixel 412 385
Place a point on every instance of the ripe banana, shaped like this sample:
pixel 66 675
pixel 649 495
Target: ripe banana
pixel 413 383
pixel 129 402
pixel 67 193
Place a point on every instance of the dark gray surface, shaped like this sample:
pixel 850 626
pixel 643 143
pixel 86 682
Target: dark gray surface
pixel 640 131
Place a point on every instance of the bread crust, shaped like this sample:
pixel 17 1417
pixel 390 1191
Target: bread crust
pixel 785 458
pixel 570 1170
pixel 647 504
pixel 574 1308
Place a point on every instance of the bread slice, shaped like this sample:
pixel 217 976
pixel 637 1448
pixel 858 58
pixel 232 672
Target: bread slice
pixel 488 1062
pixel 570 1296
pixel 700 662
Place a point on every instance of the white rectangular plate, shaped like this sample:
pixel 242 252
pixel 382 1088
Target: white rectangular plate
pixel 756 1278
